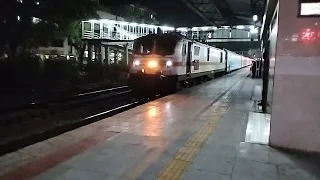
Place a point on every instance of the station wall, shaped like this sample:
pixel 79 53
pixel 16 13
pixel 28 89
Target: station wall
pixel 295 121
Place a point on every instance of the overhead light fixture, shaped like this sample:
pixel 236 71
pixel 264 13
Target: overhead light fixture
pixel 93 21
pixel 167 28
pixel 204 28
pixel 194 28
pixel 255 18
pixel 309 9
pixel 182 29
pixel 240 27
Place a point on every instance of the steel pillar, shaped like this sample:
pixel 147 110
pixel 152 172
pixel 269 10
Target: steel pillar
pixel 89 52
pixel 107 54
pixel 126 54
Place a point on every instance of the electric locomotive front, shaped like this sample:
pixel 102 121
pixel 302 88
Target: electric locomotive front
pixel 153 62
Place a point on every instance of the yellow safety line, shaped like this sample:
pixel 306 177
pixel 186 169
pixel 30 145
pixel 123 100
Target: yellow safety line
pixel 176 167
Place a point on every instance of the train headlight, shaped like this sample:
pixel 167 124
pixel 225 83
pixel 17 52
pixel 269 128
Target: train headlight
pixel 136 63
pixel 152 64
pixel 169 63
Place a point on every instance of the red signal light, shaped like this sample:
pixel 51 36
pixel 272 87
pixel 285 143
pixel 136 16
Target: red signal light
pixel 308 35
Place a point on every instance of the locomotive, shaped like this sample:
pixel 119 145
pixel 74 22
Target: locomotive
pixel 166 62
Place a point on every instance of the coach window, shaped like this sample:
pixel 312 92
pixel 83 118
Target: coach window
pixel 184 50
pixel 221 58
pixel 208 55
pixel 196 50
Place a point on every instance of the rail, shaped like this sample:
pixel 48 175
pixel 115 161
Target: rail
pixel 35 105
pixel 45 127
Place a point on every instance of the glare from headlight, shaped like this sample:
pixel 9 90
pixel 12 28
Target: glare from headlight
pixel 152 64
pixel 136 63
pixel 169 63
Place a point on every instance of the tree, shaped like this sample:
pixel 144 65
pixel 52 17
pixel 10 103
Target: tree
pixel 74 32
pixel 69 21
pixel 18 30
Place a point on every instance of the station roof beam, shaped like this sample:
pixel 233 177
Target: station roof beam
pixel 206 10
pixel 227 12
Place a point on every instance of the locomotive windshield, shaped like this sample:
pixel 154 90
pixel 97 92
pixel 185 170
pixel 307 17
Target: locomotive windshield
pixel 155 45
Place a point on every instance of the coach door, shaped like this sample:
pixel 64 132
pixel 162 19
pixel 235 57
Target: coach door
pixel 226 62
pixel 189 56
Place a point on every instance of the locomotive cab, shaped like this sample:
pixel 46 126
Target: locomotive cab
pixel 153 61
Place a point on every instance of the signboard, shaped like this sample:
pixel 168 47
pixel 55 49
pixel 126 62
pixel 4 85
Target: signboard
pixel 309 8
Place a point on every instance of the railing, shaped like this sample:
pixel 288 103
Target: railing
pixel 120 30
pixel 120 35
pixel 231 39
pixel 90 35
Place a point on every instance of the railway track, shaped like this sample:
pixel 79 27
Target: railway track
pixel 23 127
pixel 47 108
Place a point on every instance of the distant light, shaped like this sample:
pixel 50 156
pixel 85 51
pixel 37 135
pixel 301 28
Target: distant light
pixel 240 27
pixel 194 28
pixel 251 27
pixel 152 64
pixel 18 17
pixel 167 28
pixel 254 31
pixel 35 20
pixel 204 28
pixel 182 29
pixel 20 1
pixel 169 63
pixel 310 9
pixel 93 21
pixel 136 63
pixel 255 18
pixel 37 2
pixel 151 16
pixel 133 24
pixel 308 35
pixel 123 22
pixel 151 26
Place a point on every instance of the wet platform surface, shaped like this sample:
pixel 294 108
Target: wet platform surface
pixel 195 134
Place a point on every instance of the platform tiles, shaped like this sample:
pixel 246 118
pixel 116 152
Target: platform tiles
pixel 226 156
pixel 126 145
pixel 185 157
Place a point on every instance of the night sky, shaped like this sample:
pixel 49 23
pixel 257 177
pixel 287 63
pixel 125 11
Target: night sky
pixel 169 12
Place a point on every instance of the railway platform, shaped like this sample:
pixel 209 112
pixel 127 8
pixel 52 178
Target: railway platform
pixel 205 132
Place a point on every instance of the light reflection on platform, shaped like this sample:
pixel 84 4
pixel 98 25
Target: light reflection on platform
pixel 258 128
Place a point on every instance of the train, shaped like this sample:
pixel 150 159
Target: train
pixel 167 62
